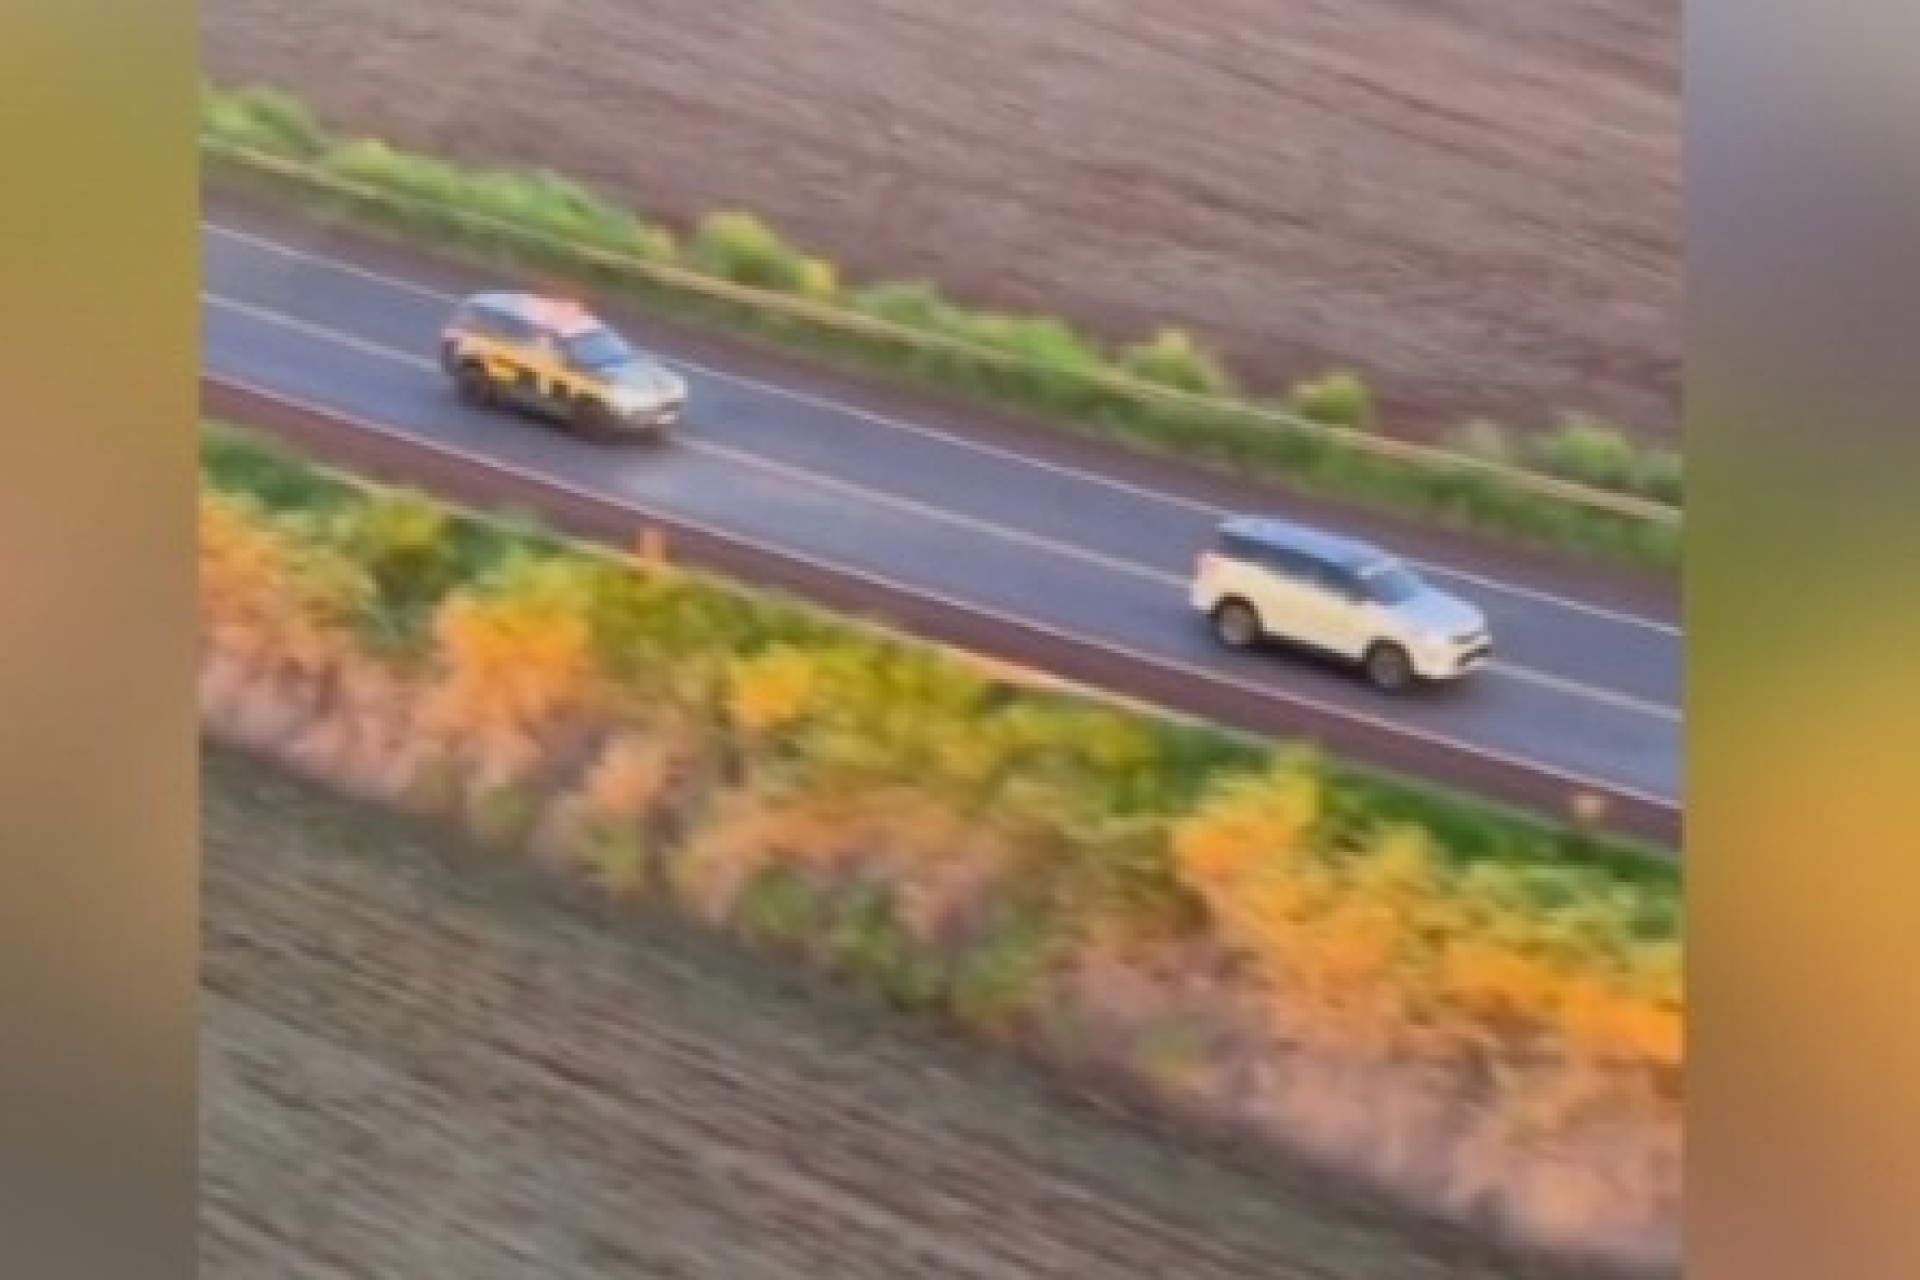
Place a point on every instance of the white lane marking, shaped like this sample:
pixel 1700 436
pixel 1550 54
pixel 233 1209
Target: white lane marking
pixel 543 479
pixel 923 510
pixel 1113 483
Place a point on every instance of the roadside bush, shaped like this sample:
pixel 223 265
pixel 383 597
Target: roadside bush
pixel 269 473
pixel 1171 358
pixel 1037 363
pixel 403 541
pixel 739 247
pixel 1041 867
pixel 912 304
pixel 1054 360
pixel 817 280
pixel 1336 399
pixel 1661 475
pixel 653 243
pixel 1587 451
pixel 572 210
pixel 265 118
pixel 1590 452
pixel 1043 340
pixel 373 163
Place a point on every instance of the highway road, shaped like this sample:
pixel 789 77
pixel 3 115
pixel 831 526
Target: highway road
pixel 1583 693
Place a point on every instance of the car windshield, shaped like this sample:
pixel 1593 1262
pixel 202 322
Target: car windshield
pixel 1392 583
pixel 598 349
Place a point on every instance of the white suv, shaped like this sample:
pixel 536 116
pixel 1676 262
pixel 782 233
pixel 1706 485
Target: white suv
pixel 1266 579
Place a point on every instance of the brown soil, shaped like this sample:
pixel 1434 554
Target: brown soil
pixel 1475 202
pixel 421 1064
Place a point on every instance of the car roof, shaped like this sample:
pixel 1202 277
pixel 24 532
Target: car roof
pixel 1284 535
pixel 562 315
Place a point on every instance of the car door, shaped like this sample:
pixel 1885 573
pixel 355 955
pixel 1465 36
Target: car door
pixel 512 362
pixel 1316 604
pixel 1342 604
pixel 501 351
pixel 576 388
pixel 546 371
pixel 1287 597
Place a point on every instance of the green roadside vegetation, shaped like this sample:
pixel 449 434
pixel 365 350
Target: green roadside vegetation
pixel 1581 487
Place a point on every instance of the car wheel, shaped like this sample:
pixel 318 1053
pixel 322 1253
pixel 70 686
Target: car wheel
pixel 1389 667
pixel 1236 624
pixel 587 420
pixel 475 387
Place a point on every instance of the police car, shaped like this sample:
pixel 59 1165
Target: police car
pixel 556 360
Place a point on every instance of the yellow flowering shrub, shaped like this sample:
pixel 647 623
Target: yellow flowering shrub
pixel 1235 854
pixel 1384 949
pixel 511 659
pixel 769 692
pixel 271 599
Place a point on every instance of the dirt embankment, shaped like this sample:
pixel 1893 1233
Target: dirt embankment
pixel 421 1065
pixel 1474 202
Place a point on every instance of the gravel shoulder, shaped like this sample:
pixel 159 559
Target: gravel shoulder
pixel 422 1062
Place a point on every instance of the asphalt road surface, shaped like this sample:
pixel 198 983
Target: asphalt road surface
pixel 1584 692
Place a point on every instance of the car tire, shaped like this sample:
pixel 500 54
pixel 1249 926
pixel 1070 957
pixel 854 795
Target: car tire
pixel 1236 625
pixel 474 386
pixel 592 422
pixel 1388 667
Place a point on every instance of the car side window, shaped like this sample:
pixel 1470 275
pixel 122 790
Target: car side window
pixel 1319 575
pixel 1235 546
pixel 1290 565
pixel 507 329
pixel 1312 571
pixel 1340 582
pixel 491 325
